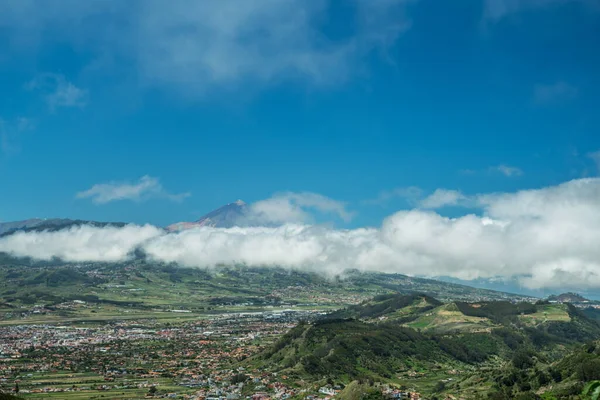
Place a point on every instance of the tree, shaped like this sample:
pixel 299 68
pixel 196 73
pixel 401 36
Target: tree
pixel 556 375
pixel 439 387
pixel 238 378
pixel 522 360
pixel 589 370
pixel 153 390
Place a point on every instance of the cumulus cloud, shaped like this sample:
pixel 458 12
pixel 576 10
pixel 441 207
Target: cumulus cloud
pixel 545 238
pixel 194 45
pixel 147 187
pixel 58 91
pixel 292 208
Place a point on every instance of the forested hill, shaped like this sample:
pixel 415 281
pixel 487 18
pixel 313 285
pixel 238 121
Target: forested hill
pixel 391 336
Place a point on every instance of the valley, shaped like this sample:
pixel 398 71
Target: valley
pixel 139 329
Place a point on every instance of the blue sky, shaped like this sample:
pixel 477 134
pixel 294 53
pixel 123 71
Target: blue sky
pixel 355 100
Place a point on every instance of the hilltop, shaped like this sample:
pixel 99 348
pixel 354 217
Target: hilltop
pixel 568 298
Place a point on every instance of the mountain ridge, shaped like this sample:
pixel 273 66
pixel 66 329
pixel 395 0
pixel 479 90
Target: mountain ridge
pixel 49 224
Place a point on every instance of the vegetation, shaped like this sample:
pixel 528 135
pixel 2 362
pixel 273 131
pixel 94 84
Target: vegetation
pixel 389 306
pixel 443 344
pixel 514 359
pixel 6 396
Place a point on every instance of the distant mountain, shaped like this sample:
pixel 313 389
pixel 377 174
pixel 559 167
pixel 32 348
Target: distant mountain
pixel 568 298
pixel 52 224
pixel 16 225
pixel 230 215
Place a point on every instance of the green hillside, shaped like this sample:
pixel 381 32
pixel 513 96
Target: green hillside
pixel 349 349
pixel 416 340
pixel 388 307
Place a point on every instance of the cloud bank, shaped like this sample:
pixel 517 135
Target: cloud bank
pixel 546 238
pixel 79 244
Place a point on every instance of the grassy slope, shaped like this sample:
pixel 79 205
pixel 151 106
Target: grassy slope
pixel 448 318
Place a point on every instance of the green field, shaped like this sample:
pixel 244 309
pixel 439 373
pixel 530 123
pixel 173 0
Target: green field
pixel 448 318
pixel 547 313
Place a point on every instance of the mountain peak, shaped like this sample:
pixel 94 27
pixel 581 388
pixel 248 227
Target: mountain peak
pixel 227 216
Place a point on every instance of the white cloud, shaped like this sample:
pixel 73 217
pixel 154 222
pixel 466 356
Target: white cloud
pixel 442 198
pixel 545 238
pixel 84 243
pixel 291 208
pixel 579 274
pixel 547 94
pixel 58 91
pixel 194 45
pixel 507 170
pixel 147 187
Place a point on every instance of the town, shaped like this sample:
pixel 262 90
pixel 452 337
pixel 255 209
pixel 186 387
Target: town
pixel 190 360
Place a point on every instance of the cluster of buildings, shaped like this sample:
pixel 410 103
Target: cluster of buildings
pixel 196 356
pixel 320 296
pixel 401 394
